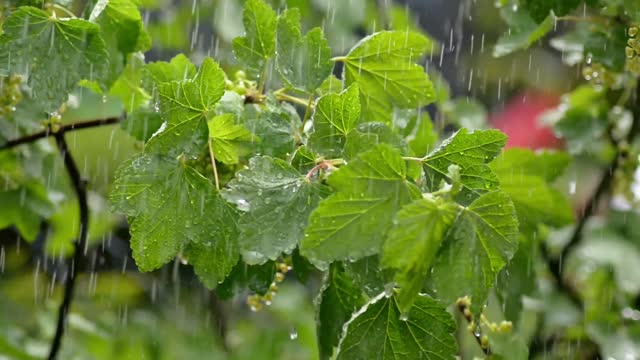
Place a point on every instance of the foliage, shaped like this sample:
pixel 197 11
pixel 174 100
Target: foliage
pixel 262 161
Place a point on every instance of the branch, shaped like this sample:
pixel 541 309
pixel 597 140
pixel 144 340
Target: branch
pixel 464 305
pixel 79 245
pixel 555 264
pixel 64 128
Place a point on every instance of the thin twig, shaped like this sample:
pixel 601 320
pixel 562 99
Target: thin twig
pixel 464 305
pixel 307 111
pixel 292 99
pixel 213 164
pixel 80 188
pixel 64 128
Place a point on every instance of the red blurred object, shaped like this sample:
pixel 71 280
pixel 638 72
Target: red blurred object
pixel 519 120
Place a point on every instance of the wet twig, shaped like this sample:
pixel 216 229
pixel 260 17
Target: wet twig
pixel 63 128
pixel 79 245
pixel 464 305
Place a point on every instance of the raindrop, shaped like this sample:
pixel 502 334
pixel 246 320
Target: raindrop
pixel 293 334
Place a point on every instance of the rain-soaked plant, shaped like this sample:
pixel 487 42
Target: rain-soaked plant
pixel 278 165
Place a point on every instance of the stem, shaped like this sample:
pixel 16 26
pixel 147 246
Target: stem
pixel 263 78
pixel 463 306
pixel 409 158
pixel 291 99
pixel 307 112
pixel 65 128
pixel 80 188
pixel 64 10
pixel 339 58
pixel 213 165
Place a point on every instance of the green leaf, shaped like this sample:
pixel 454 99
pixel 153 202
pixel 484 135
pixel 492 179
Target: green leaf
pixel 121 23
pixel 339 298
pixel 379 331
pixel 369 276
pixel 127 86
pixel 367 135
pixel 25 208
pixel 482 240
pixel 122 30
pixel 541 9
pixel 277 201
pixel 417 129
pixel 330 85
pixel 229 139
pixel 185 106
pixel 523 31
pixel 258 45
pixel 303 62
pixel 383 65
pixel 277 124
pixel 352 222
pixel 169 206
pixel 179 68
pixel 214 254
pixel 135 85
pixel 54 54
pixel 413 241
pixel 471 152
pixel 334 117
pixel 257 278
pixel 526 177
pixel 517 279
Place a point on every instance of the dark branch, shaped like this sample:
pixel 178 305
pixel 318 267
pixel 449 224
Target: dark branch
pixel 64 128
pixel 80 188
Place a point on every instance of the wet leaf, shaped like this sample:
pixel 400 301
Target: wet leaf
pixel 383 65
pixel 302 61
pixel 482 240
pixel 54 54
pixel 258 45
pixel 185 107
pixel 413 241
pixel 170 206
pixel 351 223
pixel 524 31
pixel 334 117
pixel 471 152
pixel 229 140
pixel 379 332
pixel 276 200
pixel 339 298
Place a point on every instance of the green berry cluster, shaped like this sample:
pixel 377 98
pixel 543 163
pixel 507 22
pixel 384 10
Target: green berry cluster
pixel 597 74
pixel 256 301
pixel 633 50
pixel 10 94
pixel 244 87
